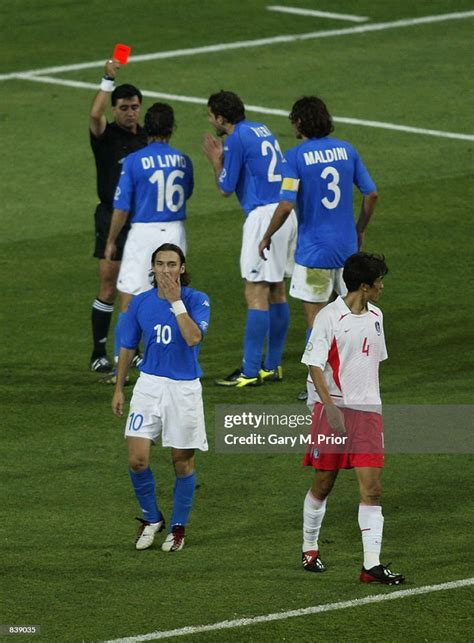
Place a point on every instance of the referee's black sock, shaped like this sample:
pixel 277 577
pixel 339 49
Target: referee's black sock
pixel 101 318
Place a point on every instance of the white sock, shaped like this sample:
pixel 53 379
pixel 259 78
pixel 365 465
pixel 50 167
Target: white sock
pixel 371 527
pixel 313 514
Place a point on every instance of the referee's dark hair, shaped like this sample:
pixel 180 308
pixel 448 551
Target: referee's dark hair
pixel 228 105
pixel 185 277
pixel 363 268
pixel 311 117
pixel 125 91
pixel 159 121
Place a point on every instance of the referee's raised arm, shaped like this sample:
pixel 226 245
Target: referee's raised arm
pixel 97 119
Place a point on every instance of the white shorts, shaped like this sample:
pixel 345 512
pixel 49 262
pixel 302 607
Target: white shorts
pixel 280 260
pixel 170 408
pixel 142 241
pixel 316 285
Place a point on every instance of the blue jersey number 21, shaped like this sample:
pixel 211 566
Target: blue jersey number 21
pixel 268 148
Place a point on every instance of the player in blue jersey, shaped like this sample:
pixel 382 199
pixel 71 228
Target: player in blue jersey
pixel 318 177
pixel 167 398
pixel 250 163
pixel 155 184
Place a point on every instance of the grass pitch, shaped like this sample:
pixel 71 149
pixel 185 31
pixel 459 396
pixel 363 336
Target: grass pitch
pixel 67 535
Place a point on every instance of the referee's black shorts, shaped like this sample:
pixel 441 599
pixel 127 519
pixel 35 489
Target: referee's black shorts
pixel 103 217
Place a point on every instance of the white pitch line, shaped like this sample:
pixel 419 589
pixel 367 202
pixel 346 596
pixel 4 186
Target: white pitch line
pixel 261 42
pixel 316 14
pixel 79 84
pixel 305 611
pixel 405 128
pixel 256 108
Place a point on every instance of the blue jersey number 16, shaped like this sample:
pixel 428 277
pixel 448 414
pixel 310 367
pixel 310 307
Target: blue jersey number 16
pixel 167 189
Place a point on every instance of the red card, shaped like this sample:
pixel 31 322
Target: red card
pixel 121 53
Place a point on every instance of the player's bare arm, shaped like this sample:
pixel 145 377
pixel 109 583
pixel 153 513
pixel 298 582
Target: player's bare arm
pixel 118 399
pixel 367 209
pixel 333 413
pixel 97 119
pixel 119 217
pixel 213 148
pixel 170 288
pixel 279 217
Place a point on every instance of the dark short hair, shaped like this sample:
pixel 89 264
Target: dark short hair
pixel 228 105
pixel 311 117
pixel 185 277
pixel 363 268
pixel 125 91
pixel 159 120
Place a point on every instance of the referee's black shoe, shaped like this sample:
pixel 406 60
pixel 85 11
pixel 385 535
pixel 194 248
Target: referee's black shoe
pixel 111 379
pixel 137 361
pixel 381 574
pixel 101 364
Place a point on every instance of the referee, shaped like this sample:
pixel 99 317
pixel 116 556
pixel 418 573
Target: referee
pixel 111 143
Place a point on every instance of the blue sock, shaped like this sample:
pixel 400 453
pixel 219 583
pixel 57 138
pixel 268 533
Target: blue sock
pixel 117 336
pixel 256 332
pixel 183 498
pixel 279 322
pixel 144 486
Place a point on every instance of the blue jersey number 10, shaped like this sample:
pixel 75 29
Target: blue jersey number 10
pixel 163 334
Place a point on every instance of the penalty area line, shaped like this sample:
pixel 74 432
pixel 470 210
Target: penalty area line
pixel 260 42
pixel 306 611
pixel 297 11
pixel 78 84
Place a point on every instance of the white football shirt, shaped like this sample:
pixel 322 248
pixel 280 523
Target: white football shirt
pixel 348 349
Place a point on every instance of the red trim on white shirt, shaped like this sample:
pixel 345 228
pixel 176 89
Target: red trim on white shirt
pixel 335 362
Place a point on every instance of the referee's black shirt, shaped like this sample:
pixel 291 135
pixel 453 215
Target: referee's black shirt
pixel 110 150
